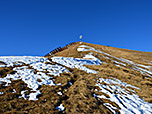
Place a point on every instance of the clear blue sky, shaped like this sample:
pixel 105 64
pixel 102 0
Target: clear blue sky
pixel 34 27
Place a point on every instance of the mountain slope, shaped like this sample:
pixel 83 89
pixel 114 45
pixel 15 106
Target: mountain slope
pixel 78 78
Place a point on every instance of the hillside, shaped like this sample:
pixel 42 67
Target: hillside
pixel 80 78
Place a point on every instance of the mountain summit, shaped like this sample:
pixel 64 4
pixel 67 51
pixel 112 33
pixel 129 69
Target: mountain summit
pixel 80 78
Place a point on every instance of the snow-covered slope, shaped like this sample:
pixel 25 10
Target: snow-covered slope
pixel 119 93
pixel 38 63
pixel 116 96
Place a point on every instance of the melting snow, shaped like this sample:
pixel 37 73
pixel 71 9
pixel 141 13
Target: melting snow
pixel 136 66
pixel 59 93
pixel 1 93
pixel 90 56
pixel 14 91
pixel 70 83
pixel 11 60
pixel 128 103
pixel 60 107
pixel 28 76
pixel 144 66
pixel 32 96
pixel 77 63
pixel 23 95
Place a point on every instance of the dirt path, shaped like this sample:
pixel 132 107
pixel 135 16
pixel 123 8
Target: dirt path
pixel 80 98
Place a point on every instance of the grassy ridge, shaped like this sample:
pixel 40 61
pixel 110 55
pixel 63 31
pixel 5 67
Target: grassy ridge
pixel 78 95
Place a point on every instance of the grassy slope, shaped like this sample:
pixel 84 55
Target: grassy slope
pixel 78 97
pixel 125 74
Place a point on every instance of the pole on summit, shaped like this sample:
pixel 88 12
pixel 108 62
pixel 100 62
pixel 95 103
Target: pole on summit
pixel 80 37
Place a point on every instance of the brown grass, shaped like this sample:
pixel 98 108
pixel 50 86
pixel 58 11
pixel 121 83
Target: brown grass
pixel 135 56
pixel 123 73
pixel 5 71
pixel 129 76
pixel 78 98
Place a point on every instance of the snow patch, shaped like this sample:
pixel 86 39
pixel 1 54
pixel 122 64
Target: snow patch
pixel 76 63
pixel 33 96
pixel 60 107
pixel 11 60
pixel 117 60
pixel 90 56
pixel 144 66
pixel 14 91
pixel 70 83
pixel 128 103
pixel 1 93
pixel 29 76
pixel 59 93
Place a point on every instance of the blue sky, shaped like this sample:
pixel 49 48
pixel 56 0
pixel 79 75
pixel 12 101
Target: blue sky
pixel 35 27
